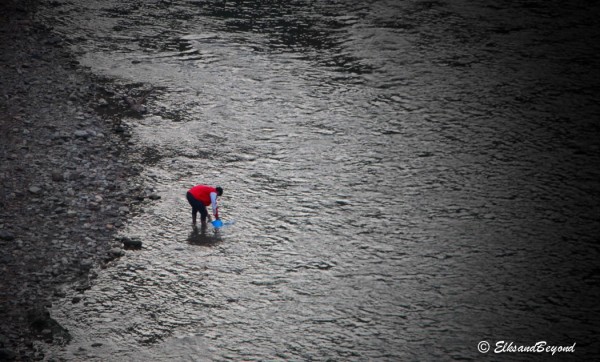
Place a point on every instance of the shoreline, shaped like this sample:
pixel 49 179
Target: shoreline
pixel 65 182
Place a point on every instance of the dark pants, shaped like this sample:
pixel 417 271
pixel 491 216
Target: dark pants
pixel 197 206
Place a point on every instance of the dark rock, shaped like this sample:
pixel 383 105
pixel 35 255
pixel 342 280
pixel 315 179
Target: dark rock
pixel 57 176
pixel 7 355
pixel 35 190
pixel 6 235
pixel 54 40
pixel 81 133
pixel 131 243
pixel 115 253
pixel 154 196
pixel 85 285
pixel 75 176
pixel 86 264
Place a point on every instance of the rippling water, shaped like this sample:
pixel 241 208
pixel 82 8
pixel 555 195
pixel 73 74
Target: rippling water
pixel 407 178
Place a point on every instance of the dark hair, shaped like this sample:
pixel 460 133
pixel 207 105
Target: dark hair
pixel 219 190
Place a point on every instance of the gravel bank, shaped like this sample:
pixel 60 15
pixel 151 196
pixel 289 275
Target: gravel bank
pixel 66 181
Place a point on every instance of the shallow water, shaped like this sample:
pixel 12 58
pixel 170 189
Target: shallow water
pixel 406 179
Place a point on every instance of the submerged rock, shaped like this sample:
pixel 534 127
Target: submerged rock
pixel 129 243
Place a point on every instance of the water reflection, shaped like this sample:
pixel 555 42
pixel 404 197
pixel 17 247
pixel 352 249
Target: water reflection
pixel 203 236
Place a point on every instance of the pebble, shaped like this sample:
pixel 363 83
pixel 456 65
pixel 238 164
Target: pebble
pixel 86 264
pixel 57 176
pixel 154 196
pixel 6 235
pixel 116 252
pixel 35 190
pixel 81 133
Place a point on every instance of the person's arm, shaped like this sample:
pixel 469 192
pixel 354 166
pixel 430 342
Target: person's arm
pixel 213 202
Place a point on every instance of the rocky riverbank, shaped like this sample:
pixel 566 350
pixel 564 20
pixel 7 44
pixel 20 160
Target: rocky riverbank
pixel 67 183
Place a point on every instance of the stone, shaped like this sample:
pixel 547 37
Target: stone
pixel 131 243
pixel 35 190
pixel 81 133
pixel 57 176
pixel 116 252
pixel 83 286
pixel 6 235
pixel 154 196
pixel 86 264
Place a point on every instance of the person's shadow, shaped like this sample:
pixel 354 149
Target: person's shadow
pixel 201 236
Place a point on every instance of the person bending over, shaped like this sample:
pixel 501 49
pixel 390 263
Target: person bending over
pixel 202 196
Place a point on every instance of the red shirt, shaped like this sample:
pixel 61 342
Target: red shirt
pixel 202 193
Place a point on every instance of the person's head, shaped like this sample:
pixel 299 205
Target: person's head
pixel 219 190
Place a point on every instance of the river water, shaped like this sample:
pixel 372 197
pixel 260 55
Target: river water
pixel 406 179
